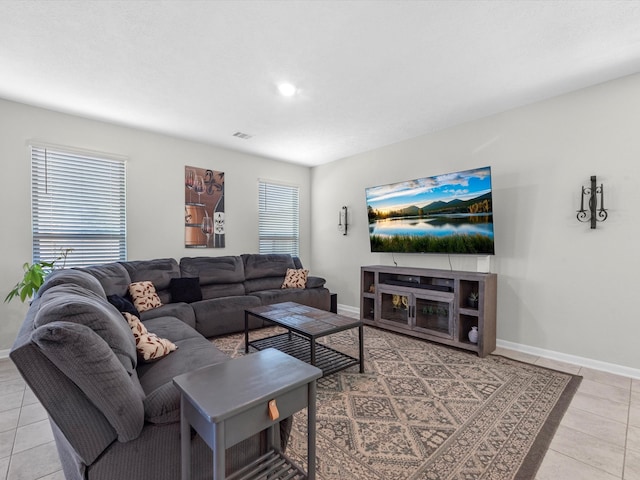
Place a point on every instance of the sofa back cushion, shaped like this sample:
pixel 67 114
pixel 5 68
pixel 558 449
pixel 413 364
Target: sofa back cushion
pixel 266 265
pixel 71 303
pixel 215 290
pixel 113 277
pixel 159 272
pixel 213 270
pixel 260 284
pixel 72 277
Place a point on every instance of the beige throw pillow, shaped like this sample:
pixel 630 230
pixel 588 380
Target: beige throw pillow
pixel 295 278
pixel 144 296
pixel 150 347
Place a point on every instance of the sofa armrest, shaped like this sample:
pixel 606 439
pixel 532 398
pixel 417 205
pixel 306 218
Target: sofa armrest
pixel 82 424
pixel 88 361
pixel 315 282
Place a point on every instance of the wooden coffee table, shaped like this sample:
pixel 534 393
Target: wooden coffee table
pixel 305 326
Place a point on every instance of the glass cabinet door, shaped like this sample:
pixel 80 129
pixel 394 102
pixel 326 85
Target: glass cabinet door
pixel 394 308
pixel 434 316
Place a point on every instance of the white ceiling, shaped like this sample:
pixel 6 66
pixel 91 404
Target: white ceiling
pixel 369 73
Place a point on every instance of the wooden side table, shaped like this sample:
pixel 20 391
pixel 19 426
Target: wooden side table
pixel 230 401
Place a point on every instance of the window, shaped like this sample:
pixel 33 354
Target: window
pixel 78 203
pixel 279 208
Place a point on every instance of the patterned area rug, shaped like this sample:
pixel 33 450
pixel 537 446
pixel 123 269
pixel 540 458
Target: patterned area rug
pixel 426 411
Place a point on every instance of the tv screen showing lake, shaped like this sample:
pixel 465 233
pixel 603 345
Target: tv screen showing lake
pixel 440 226
pixel 450 213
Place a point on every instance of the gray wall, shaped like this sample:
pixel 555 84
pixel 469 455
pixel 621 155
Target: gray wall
pixel 562 286
pixel 155 191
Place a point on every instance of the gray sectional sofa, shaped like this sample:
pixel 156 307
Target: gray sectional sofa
pixel 228 285
pixel 114 416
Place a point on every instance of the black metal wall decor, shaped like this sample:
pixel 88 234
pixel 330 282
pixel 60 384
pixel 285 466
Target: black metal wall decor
pixel 342 221
pixel 596 211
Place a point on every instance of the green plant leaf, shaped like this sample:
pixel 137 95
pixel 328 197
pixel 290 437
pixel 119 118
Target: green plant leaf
pixel 33 277
pixel 24 293
pixel 11 294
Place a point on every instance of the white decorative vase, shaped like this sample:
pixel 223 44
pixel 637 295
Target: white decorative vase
pixel 473 335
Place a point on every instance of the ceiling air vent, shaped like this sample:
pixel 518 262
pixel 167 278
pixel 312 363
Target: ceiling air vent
pixel 244 136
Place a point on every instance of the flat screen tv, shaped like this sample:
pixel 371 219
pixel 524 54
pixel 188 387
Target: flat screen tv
pixel 450 213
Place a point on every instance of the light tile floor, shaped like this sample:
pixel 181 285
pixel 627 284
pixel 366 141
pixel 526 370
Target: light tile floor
pixel 598 439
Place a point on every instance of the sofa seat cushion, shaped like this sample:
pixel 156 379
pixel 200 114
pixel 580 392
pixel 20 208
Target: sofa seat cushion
pixel 181 311
pixel 89 362
pixel 171 328
pixel 280 295
pixel 219 316
pixel 162 402
pixel 194 351
pixel 150 346
pixel 74 304
pixel 314 297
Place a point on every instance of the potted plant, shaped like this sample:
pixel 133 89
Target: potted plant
pixel 473 299
pixel 33 278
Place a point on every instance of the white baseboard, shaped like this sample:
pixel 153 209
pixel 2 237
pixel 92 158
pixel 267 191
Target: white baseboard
pixel 348 311
pixel 518 347
pixel 574 359
pixel 540 352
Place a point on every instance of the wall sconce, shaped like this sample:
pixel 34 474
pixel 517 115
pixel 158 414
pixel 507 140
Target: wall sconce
pixel 594 214
pixel 342 220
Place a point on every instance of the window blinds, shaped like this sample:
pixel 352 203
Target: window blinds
pixel 78 202
pixel 279 229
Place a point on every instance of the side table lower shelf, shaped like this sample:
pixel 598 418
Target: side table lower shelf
pixel 273 465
